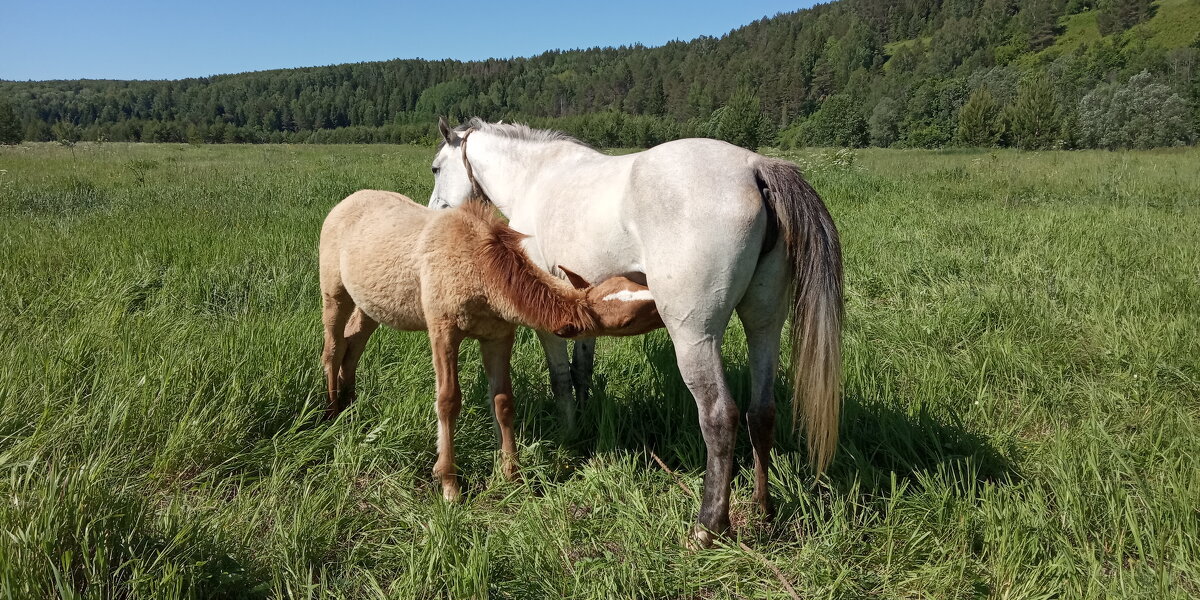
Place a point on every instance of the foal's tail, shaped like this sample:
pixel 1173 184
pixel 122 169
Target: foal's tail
pixel 816 263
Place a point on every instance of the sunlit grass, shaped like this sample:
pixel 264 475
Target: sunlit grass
pixel 1021 364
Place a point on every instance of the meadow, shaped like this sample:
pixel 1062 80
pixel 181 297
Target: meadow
pixel 1022 375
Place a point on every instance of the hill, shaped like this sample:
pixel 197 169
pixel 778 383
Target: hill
pixel 851 72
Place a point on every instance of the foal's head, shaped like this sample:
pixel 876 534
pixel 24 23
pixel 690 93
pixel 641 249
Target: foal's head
pixel 620 307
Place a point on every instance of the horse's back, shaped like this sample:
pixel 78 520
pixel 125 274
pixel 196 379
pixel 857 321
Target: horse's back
pixel 695 191
pixel 704 169
pixel 369 248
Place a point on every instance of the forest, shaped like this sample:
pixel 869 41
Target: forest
pixel 890 73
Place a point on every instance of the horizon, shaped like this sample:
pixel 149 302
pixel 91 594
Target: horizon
pixel 171 43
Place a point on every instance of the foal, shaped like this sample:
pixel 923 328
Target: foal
pixel 455 273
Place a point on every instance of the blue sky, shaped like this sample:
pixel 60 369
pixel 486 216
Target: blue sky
pixel 169 39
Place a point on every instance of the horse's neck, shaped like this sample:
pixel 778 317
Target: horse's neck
pixel 509 168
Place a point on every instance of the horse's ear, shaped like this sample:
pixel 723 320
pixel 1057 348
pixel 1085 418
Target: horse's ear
pixel 448 133
pixel 576 280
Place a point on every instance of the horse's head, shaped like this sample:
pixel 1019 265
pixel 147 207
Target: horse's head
pixel 451 183
pixel 620 307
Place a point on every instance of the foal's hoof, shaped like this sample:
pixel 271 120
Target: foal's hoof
pixel 512 473
pixel 451 494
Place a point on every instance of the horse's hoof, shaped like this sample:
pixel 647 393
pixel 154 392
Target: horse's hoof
pixel 765 510
pixel 451 495
pixel 701 539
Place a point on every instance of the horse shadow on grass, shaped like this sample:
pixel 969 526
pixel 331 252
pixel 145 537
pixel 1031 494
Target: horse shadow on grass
pixel 884 447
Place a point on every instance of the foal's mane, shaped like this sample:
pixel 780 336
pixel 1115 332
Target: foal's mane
pixel 540 299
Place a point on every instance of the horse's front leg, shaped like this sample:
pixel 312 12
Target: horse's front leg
pixel 582 364
pixel 445 340
pixel 560 379
pixel 497 357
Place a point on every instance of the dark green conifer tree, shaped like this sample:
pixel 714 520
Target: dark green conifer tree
pixel 1033 121
pixel 977 125
pixel 740 121
pixel 1118 15
pixel 10 126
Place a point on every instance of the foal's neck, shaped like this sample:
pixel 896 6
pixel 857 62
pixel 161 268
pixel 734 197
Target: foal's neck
pixel 522 292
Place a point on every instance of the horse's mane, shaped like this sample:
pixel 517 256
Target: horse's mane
pixel 517 131
pixel 540 299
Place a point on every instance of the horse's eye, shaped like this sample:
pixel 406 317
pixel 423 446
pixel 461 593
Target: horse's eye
pixel 435 170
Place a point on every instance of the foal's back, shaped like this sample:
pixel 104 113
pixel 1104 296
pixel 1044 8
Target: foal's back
pixel 369 248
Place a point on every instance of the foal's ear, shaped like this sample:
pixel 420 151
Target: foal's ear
pixel 448 133
pixel 576 280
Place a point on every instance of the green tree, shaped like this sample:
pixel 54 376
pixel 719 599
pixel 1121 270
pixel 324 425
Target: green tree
pixel 741 121
pixel 1118 15
pixel 1138 114
pixel 884 123
pixel 1032 122
pixel 66 133
pixel 977 124
pixel 1039 19
pixel 10 126
pixel 839 122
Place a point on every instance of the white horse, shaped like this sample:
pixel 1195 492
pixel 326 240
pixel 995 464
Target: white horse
pixel 712 228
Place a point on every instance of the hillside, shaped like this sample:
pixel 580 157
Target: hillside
pixel 851 72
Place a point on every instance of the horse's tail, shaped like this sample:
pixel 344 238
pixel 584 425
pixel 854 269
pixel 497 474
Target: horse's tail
pixel 815 257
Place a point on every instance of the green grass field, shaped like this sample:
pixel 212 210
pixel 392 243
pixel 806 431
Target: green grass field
pixel 1022 375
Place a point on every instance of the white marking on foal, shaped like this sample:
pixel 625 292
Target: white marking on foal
pixel 630 295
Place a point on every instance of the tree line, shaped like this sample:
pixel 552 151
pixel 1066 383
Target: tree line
pixel 908 73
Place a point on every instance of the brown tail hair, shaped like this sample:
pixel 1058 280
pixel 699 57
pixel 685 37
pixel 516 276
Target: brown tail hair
pixel 815 254
pixel 536 298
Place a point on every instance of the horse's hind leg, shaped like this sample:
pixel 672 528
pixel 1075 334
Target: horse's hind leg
pixel 698 355
pixel 337 306
pixel 763 311
pixel 358 332
pixel 445 341
pixel 696 296
pixel 497 357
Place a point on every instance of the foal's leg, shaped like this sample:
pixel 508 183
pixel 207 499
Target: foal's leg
pixel 358 332
pixel 445 341
pixel 560 380
pixel 763 311
pixel 337 306
pixel 497 356
pixel 584 360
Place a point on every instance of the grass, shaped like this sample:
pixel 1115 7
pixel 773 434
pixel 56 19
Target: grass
pixel 1021 376
pixel 1175 24
pixel 1077 29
